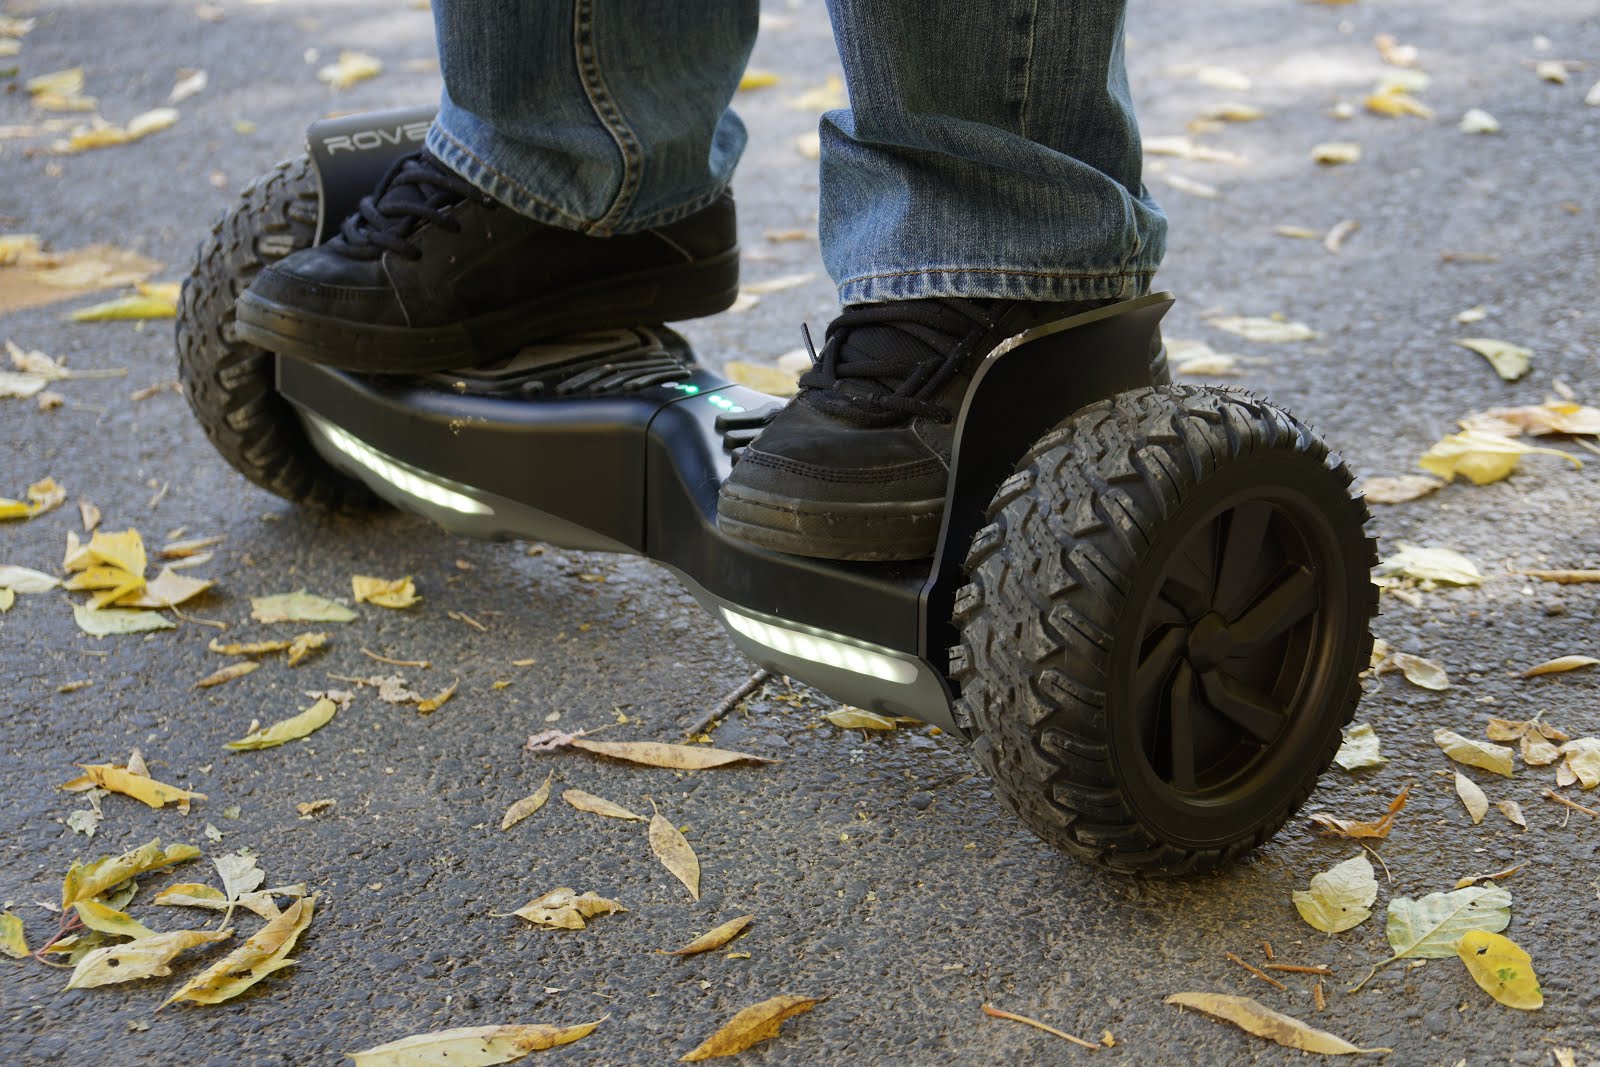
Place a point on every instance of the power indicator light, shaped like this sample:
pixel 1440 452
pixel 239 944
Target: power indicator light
pixel 717 400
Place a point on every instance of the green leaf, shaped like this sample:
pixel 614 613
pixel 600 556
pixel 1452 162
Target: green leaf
pixel 1339 898
pixel 313 718
pixel 299 606
pixel 1431 928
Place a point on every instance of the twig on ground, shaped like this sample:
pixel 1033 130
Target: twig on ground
pixel 1292 968
pixel 396 662
pixel 1574 805
pixel 990 1009
pixel 729 702
pixel 1257 972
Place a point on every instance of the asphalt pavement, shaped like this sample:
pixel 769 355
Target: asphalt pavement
pixel 883 874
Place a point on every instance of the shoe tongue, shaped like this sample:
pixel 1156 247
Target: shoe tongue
pixel 881 344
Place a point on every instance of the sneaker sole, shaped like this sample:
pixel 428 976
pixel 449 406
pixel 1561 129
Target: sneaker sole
pixel 666 294
pixel 896 530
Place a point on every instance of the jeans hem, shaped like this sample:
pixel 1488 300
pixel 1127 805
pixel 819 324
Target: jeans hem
pixel 994 283
pixel 519 198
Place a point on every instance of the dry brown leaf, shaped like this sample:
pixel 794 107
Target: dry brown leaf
pixel 1398 490
pixel 1474 879
pixel 265 953
pixel 248 648
pixel 145 790
pixel 1559 665
pixel 561 909
pixel 715 938
pixel 305 644
pixel 437 701
pixel 227 674
pixel 471 1046
pixel 648 753
pixel 599 806
pixel 1476 803
pixel 756 1023
pixel 1262 1021
pixel 528 804
pixel 1512 811
pixel 164 591
pixel 146 957
pixel 1551 417
pixel 1423 673
pixel 1564 577
pixel 1581 763
pixel 397 593
pixel 1364 830
pixel 672 849
pixel 848 718
pixel 1481 754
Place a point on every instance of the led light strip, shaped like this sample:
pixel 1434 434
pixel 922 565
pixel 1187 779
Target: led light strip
pixel 820 649
pixel 400 478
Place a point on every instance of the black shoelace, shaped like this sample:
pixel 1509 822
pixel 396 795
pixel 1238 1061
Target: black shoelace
pixel 416 189
pixel 881 363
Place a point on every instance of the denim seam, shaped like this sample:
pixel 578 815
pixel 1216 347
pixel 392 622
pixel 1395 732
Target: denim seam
pixel 571 221
pixel 605 108
pixel 1115 273
pixel 1027 74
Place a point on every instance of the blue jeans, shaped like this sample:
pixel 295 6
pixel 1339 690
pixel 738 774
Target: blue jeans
pixel 990 149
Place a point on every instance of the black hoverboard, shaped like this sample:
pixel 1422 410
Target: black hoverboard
pixel 1148 607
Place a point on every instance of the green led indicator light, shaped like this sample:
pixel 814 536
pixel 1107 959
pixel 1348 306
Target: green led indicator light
pixel 687 390
pixel 719 401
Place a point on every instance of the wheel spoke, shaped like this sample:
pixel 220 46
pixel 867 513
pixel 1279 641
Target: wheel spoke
pixel 1292 598
pixel 1153 671
pixel 1180 729
pixel 1242 547
pixel 1189 577
pixel 1255 712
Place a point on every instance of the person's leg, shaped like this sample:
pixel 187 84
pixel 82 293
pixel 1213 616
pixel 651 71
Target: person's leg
pixel 576 178
pixel 985 179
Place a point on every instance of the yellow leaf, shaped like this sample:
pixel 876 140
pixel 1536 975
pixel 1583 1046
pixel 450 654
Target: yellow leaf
pixel 1564 577
pixel 1398 490
pixel 1368 830
pixel 1509 361
pixel 1551 417
pixel 108 920
pixel 7 598
pixel 123 550
pixel 528 804
pixel 101 576
pixel 1424 673
pixel 304 645
pixel 599 805
pixel 562 909
pixel 1501 969
pixel 848 718
pixel 1481 754
pixel 351 68
pixel 118 621
pixel 299 606
pixel 312 719
pixel 648 753
pixel 756 1023
pixel 64 82
pixel 1339 898
pixel 1333 153
pixel 127 307
pixel 13 942
pixel 672 849
pixel 1262 1021
pixel 1440 565
pixel 471 1046
pixel 1481 457
pixel 1267 330
pixel 168 588
pixel 437 701
pixel 757 79
pixel 1582 761
pixel 1395 102
pixel 192 895
pixel 399 593
pixel 716 938
pixel 85 881
pixel 1560 665
pixel 145 958
pixel 264 954
pixel 1472 797
pixel 146 790
pixel 249 648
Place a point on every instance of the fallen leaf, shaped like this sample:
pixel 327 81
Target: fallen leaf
pixel 1474 879
pixel 101 134
pixel 187 85
pixel 265 953
pixel 13 942
pixel 756 1023
pixel 1512 811
pixel 1481 754
pixel 146 790
pixel 1440 565
pixel 1477 120
pixel 599 806
pixel 305 644
pixel 145 958
pixel 1184 148
pixel 1398 490
pixel 1364 830
pixel 1334 153
pixel 227 674
pixel 314 807
pixel 848 718
pixel 715 938
pixel 1482 457
pixel 1423 673
pixel 1509 361
pixel 1268 330
pixel 1501 969
pixel 1262 1021
pixel 757 79
pixel 7 598
pixel 149 303
pixel 471 1046
pixel 1551 417
pixel 672 849
pixel 24 580
pixel 399 593
pixel 351 68
pixel 67 82
pixel 1560 665
pixel 561 909
pixel 1431 927
pixel 437 701
pixel 299 606
pixel 1582 762
pixel 528 804
pixel 1564 577
pixel 1185 184
pixel 648 753
pixel 1339 898
pixel 308 721
pixel 85 881
pixel 1472 797
pixel 1359 749
pixel 1395 101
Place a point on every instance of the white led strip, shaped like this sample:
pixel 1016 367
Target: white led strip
pixel 401 479
pixel 819 649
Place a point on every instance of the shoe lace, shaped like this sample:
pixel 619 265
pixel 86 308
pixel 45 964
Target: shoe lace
pixel 416 189
pixel 881 363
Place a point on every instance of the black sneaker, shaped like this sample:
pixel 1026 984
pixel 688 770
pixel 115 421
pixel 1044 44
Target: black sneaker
pixel 432 274
pixel 855 466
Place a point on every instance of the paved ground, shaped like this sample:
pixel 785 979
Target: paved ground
pixel 883 873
